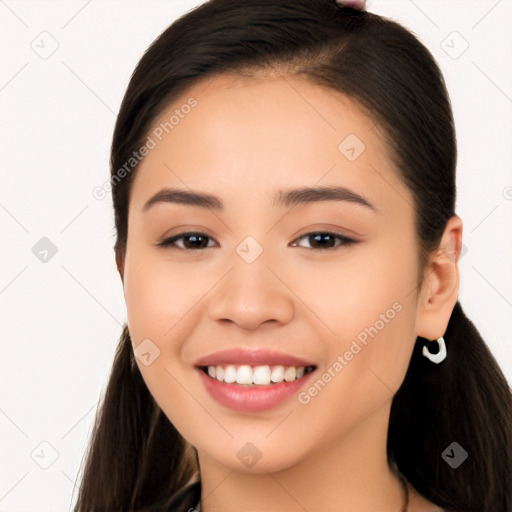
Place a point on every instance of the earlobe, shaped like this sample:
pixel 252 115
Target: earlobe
pixel 440 288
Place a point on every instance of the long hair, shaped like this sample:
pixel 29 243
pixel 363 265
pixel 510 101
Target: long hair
pixel 135 456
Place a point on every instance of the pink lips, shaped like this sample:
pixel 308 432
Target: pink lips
pixel 251 357
pixel 251 398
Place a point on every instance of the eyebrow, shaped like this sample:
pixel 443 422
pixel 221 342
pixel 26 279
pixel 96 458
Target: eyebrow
pixel 283 198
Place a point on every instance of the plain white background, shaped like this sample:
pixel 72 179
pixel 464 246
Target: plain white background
pixel 62 318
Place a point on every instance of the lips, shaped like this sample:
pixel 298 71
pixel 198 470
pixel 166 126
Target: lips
pixel 251 397
pixel 251 357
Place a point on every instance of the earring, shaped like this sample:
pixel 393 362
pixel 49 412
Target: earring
pixel 440 355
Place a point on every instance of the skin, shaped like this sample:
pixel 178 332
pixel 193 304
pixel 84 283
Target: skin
pixel 244 140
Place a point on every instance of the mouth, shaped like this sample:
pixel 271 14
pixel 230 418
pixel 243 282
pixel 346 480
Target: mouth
pixel 257 375
pixel 253 379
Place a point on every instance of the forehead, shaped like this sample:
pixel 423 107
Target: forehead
pixel 256 135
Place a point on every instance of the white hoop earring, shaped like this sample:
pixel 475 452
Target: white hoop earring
pixel 441 353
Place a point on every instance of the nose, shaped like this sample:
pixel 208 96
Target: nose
pixel 252 294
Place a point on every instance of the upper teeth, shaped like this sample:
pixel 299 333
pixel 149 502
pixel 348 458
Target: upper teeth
pixel 262 375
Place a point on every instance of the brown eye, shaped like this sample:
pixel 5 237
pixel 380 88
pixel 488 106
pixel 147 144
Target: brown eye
pixel 325 240
pixel 191 241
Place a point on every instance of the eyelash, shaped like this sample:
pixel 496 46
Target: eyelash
pixel 169 243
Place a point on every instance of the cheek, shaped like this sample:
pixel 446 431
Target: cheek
pixel 158 294
pixel 368 306
pixel 159 300
pixel 365 306
pixel 350 292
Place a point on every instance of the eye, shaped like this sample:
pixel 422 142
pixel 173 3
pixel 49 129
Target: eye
pixel 192 240
pixel 325 240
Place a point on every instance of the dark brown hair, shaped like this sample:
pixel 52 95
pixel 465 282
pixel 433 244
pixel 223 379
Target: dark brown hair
pixel 135 456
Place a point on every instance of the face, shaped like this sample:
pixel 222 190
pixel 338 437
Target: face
pixel 266 277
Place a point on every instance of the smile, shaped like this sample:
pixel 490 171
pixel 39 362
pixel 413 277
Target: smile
pixel 261 375
pixel 251 397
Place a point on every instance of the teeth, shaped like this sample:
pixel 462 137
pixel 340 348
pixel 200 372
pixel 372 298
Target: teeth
pixel 261 375
pixel 219 372
pixel 290 374
pixel 244 375
pixel 277 374
pixel 258 375
pixel 229 373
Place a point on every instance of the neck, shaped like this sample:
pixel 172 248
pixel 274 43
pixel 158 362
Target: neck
pixel 350 474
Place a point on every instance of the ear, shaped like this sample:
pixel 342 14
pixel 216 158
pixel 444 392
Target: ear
pixel 440 287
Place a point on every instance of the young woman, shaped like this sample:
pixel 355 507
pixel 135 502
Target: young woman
pixel 283 180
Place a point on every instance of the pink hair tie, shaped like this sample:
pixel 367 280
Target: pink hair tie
pixel 358 5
